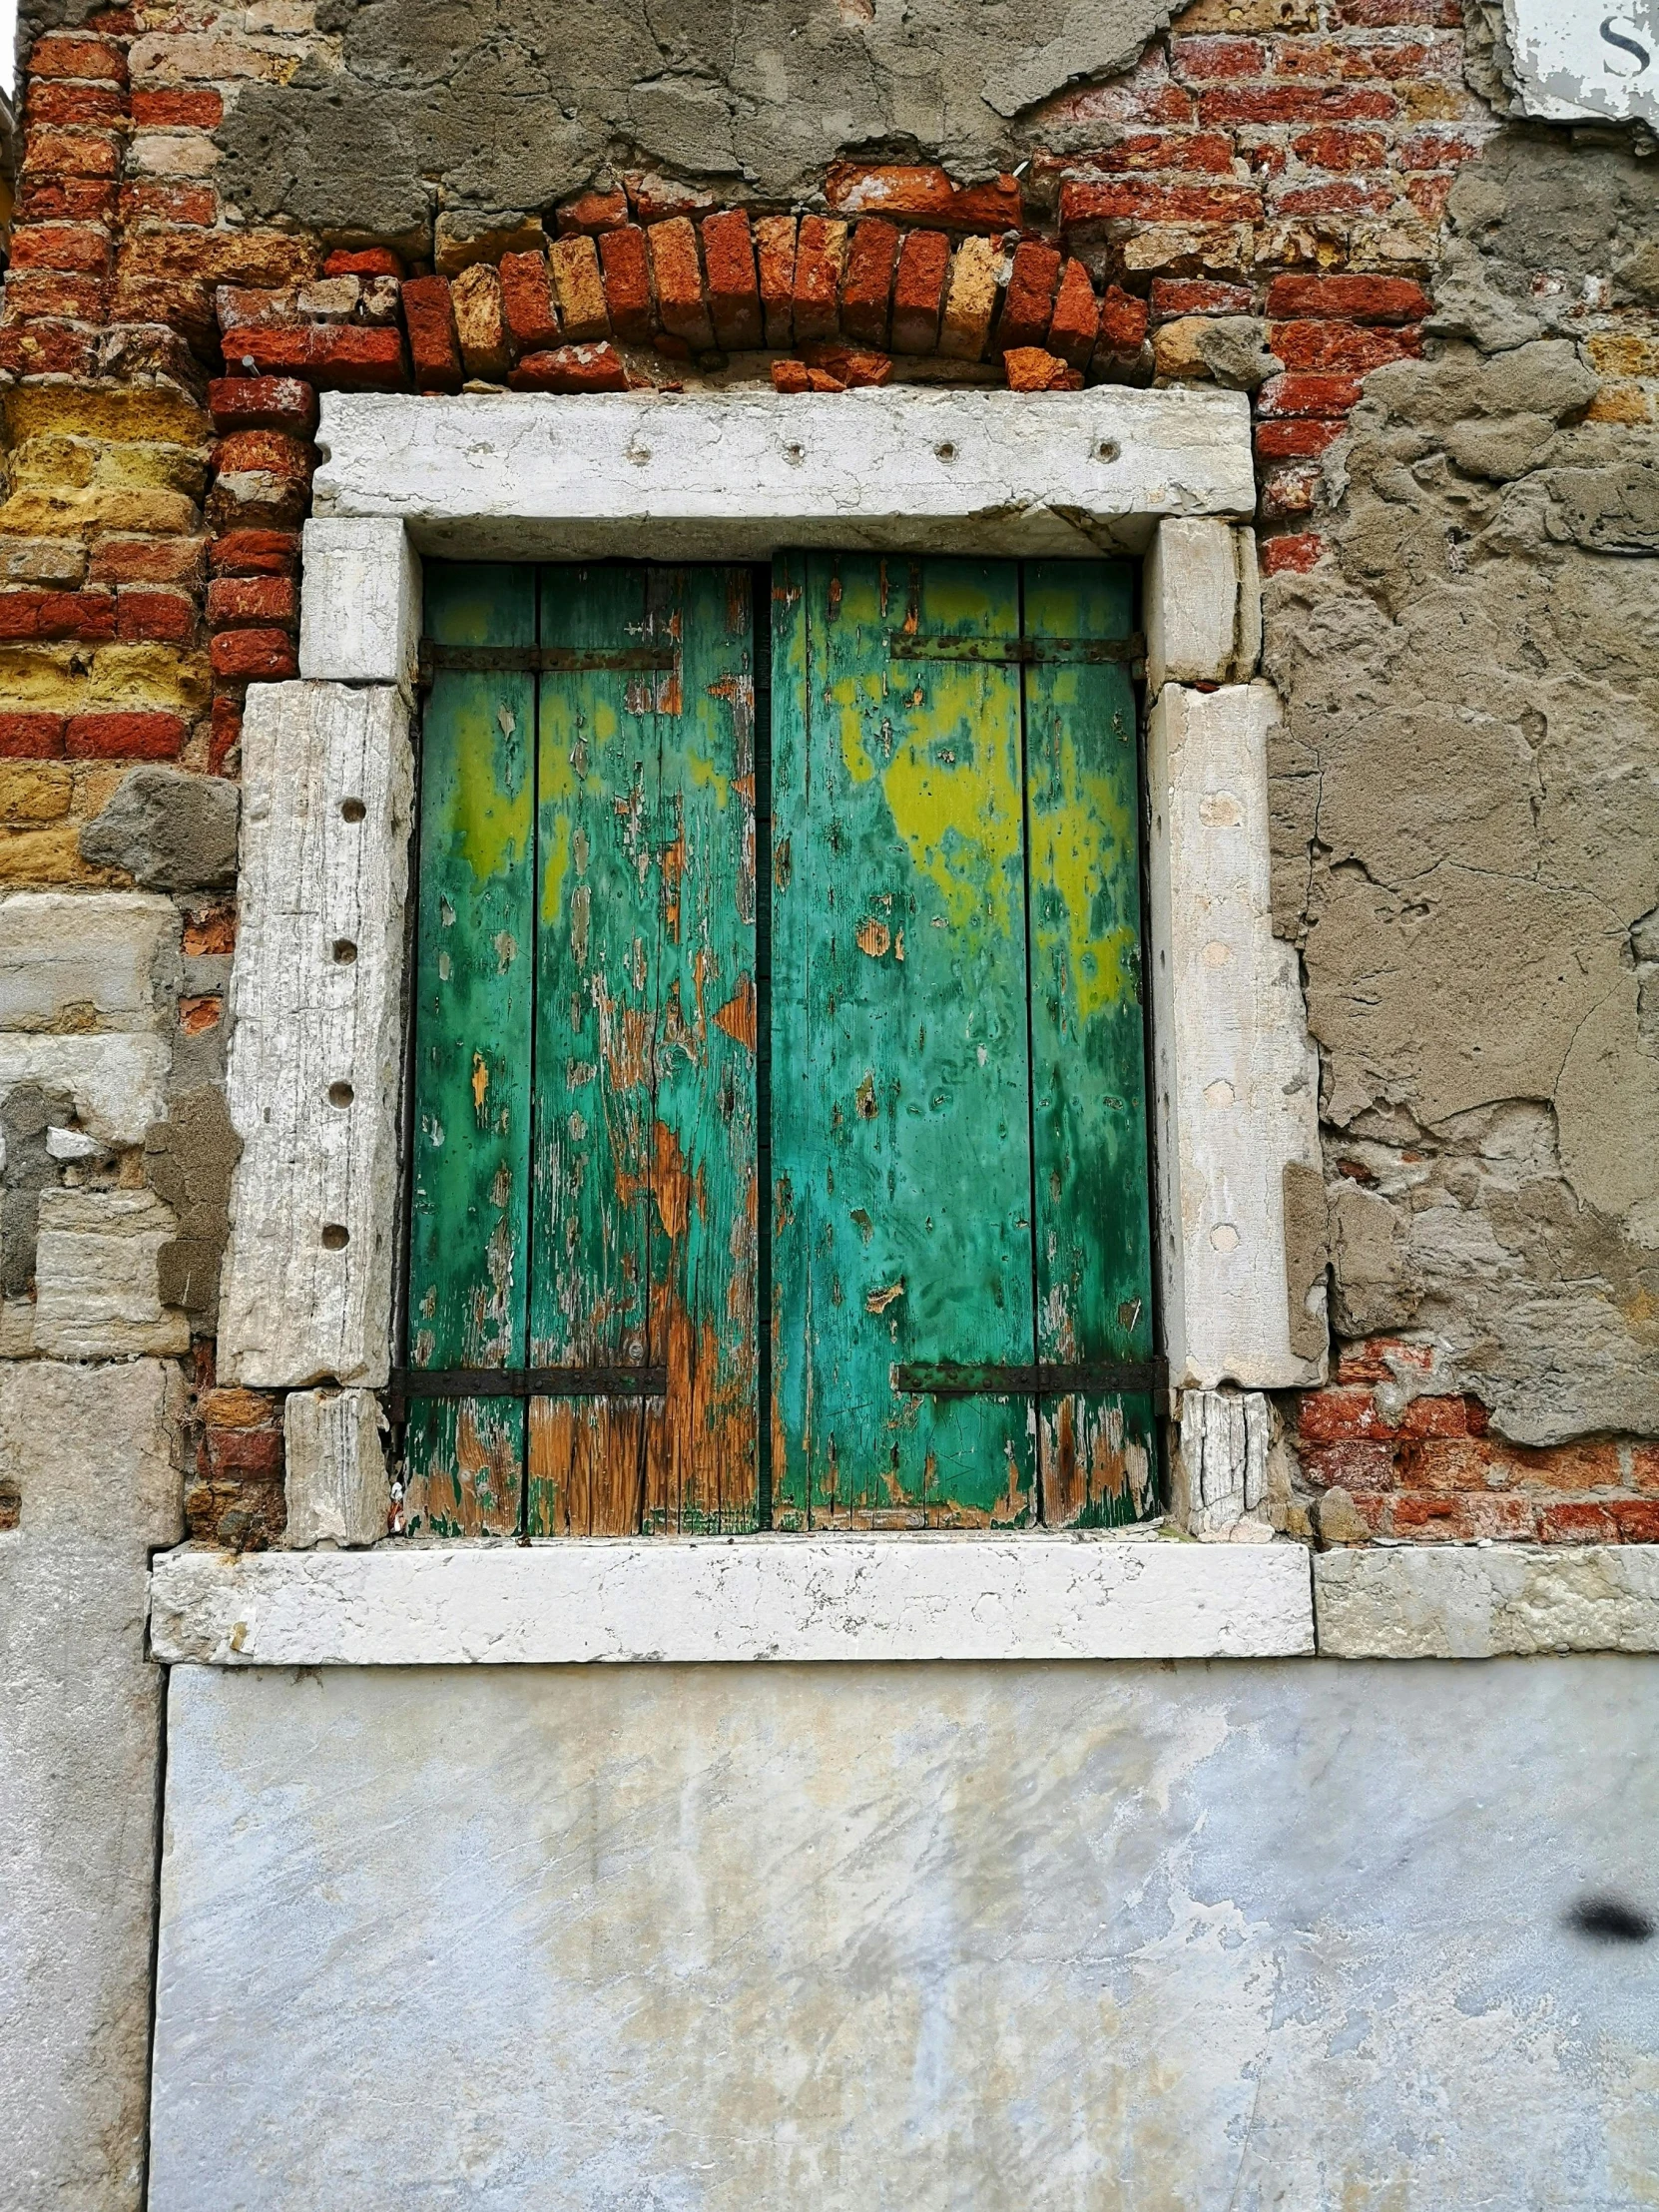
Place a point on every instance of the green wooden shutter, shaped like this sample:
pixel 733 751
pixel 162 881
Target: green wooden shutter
pixel 602 1201
pixel 960 1173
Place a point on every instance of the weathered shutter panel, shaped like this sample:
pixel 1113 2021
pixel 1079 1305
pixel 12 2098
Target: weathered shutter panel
pixel 470 1200
pixel 645 1152
pixel 1088 1045
pixel 957 1048
pixel 587 954
pixel 900 1074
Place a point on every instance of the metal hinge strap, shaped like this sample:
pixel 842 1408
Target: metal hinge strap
pixel 521 1382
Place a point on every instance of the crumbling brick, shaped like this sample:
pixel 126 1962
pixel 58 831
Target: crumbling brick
pixel 578 290
pixel 480 326
pixel 626 268
pixel 732 281
pixel 430 322
pixel 820 258
pixel 677 270
pixel 1028 303
pixel 970 300
pixel 868 281
pixel 571 368
pixel 527 307
pixel 919 292
pixel 774 242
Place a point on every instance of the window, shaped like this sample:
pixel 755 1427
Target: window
pixel 918 1033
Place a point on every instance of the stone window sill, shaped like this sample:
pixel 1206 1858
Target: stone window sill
pixel 893 1597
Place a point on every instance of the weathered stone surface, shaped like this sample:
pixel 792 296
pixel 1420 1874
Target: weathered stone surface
pixel 1478 1601
pixel 114 1082
pixel 737 474
pixel 168 830
pixel 408 103
pixel 316 994
pixel 334 1469
pixel 1234 1080
pixel 1201 628
pixel 100 959
pixel 359 609
pixel 774 1598
pixel 98 1294
pixel 1220 1463
pixel 938 1938
pixel 90 1455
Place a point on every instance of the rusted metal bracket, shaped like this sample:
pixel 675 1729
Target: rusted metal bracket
pixel 419 1383
pixel 1042 651
pixel 1043 1378
pixel 543 660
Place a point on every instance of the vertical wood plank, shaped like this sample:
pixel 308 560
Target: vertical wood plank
pixel 703 1445
pixel 645 1147
pixel 470 1199
pixel 901 1098
pixel 1094 1268
pixel 597 957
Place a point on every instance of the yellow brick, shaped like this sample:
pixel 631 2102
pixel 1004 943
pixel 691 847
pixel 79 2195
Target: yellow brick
pixel 1621 404
pixel 34 791
pixel 75 464
pixel 1623 353
pixel 96 784
pixel 37 513
pixel 1248 15
pixel 38 410
pixel 74 681
pixel 30 858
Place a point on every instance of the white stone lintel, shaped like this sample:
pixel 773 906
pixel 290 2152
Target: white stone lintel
pixel 888 1597
pixel 359 606
pixel 735 475
pixel 1483 1601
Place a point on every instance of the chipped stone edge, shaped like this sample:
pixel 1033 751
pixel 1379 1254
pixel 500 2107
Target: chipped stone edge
pixel 891 1598
pixel 1486 1601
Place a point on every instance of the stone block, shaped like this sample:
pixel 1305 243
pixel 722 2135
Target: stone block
pixel 735 474
pixel 315 1050
pixel 1220 1465
pixel 169 829
pixel 115 1081
pixel 91 1456
pixel 101 960
pixel 96 1267
pixel 1202 603
pixel 1236 1081
pixel 336 1468
pixel 869 1599
pixel 360 604
pixel 1481 1601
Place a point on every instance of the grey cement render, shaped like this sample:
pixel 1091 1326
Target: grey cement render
pixel 90 1453
pixel 1198 1938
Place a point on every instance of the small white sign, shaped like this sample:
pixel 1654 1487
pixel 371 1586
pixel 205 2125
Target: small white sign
pixel 1581 59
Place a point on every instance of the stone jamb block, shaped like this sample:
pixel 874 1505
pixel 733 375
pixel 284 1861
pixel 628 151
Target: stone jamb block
pixel 1203 599
pixel 334 1469
pixel 1236 1081
pixel 359 603
pixel 314 1057
pixel 1220 1463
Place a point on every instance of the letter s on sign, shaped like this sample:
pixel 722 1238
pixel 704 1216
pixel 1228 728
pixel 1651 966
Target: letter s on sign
pixel 1616 38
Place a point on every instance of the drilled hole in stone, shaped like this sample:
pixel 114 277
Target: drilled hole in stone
pixel 1107 451
pixel 946 452
pixel 340 1094
pixel 344 951
pixel 335 1237
pixel 352 810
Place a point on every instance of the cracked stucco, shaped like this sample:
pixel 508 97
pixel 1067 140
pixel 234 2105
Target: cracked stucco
pixel 1467 818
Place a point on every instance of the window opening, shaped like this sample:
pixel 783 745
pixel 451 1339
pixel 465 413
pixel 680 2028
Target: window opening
pixel 668 895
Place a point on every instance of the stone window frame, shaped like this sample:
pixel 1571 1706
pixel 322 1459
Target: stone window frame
pixel 315 1062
